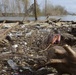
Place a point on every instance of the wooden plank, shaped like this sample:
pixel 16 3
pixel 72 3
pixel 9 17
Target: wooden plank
pixel 2 24
pixel 3 35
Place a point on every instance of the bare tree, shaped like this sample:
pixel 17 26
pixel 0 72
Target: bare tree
pixel 35 10
pixel 18 5
pixel 26 4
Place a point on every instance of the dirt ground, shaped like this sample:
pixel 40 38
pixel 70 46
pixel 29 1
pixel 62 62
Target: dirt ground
pixel 22 52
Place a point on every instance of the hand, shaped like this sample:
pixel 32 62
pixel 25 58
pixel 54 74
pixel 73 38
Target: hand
pixel 67 63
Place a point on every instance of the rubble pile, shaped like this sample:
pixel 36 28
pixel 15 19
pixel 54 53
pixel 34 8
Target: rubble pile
pixel 25 55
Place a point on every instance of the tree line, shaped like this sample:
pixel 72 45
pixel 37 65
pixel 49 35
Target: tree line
pixel 20 8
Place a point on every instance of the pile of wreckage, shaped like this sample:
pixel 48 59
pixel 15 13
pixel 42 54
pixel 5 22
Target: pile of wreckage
pixel 26 49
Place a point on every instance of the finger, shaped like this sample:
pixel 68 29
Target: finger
pixel 60 52
pixel 57 61
pixel 69 50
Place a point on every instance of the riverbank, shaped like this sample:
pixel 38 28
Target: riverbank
pixel 41 18
pixel 22 51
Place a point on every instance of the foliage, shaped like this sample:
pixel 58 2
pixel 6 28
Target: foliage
pixel 54 10
pixel 38 10
pixel 21 6
pixel 26 3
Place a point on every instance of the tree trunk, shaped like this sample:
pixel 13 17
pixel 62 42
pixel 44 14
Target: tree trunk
pixel 35 13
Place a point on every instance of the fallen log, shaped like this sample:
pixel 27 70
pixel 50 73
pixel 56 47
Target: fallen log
pixel 11 21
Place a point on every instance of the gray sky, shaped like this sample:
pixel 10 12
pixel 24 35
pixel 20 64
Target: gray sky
pixel 70 5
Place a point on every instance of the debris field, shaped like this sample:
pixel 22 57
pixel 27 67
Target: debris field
pixel 26 49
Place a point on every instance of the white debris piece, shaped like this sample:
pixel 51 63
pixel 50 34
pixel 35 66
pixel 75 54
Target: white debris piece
pixel 11 35
pixel 15 46
pixel 18 34
pixel 23 26
pixel 25 43
pixel 6 25
pixel 30 33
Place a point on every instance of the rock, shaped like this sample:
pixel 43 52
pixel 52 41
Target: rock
pixel 58 23
pixel 25 71
pixel 44 71
pixel 15 46
pixel 29 33
pixel 12 64
pixel 18 34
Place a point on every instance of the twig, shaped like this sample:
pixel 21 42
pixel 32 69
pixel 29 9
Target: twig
pixel 46 48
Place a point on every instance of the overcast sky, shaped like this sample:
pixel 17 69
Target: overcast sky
pixel 70 5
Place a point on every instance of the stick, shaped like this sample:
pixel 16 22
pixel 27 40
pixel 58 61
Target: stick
pixel 46 48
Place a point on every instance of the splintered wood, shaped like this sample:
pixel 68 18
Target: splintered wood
pixel 5 29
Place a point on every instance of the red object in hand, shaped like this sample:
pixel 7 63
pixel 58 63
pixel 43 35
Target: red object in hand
pixel 56 38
